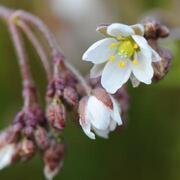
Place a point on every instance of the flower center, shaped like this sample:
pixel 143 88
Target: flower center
pixel 127 47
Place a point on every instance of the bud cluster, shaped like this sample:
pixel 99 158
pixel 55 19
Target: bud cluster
pixel 154 30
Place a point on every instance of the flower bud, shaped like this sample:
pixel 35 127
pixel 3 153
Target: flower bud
pixel 41 138
pixel 162 68
pixel 154 29
pixel 6 155
pixel 53 160
pixel 56 114
pixel 70 95
pixel 99 113
pixel 27 149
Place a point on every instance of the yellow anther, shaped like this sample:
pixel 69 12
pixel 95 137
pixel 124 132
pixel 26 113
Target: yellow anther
pixel 113 45
pixel 121 64
pixel 119 38
pixel 111 58
pixel 136 46
pixel 135 62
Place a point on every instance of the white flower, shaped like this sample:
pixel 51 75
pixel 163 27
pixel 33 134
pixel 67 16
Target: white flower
pixel 6 155
pixel 99 116
pixel 123 54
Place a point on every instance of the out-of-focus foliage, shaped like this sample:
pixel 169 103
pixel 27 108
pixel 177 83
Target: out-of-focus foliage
pixel 149 148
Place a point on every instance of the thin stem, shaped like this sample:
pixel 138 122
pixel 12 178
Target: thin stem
pixel 36 22
pixel 21 54
pixel 40 25
pixel 40 50
pixel 22 59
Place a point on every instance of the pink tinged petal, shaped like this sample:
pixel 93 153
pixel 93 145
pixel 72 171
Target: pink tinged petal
pixel 113 77
pixel 134 81
pixel 117 29
pixel 143 71
pixel 115 114
pixel 96 70
pixel 84 119
pixel 102 133
pixel 87 129
pixel 155 56
pixel 98 113
pixel 138 29
pixel 99 52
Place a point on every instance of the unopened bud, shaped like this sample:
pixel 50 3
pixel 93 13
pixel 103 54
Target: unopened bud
pixel 41 138
pixel 9 136
pixel 162 68
pixel 53 160
pixel 27 149
pixel 56 114
pixel 154 29
pixel 70 95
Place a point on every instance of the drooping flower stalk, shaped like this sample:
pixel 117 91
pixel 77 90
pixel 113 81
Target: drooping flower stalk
pixel 28 85
pixel 52 42
pixel 37 45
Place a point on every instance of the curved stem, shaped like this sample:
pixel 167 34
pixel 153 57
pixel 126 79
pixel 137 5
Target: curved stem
pixel 36 22
pixel 28 84
pixel 29 90
pixel 40 50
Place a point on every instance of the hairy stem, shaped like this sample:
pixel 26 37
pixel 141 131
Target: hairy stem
pixel 40 50
pixel 28 85
pixel 36 22
pixel 29 90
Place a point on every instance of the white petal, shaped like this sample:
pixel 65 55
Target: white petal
pixel 96 70
pixel 99 52
pixel 117 29
pixel 86 126
pixel 98 113
pixel 138 29
pixel 6 154
pixel 116 111
pixel 102 133
pixel 143 71
pixel 155 56
pixel 113 77
pixel 50 174
pixel 113 125
pixel 134 81
pixel 142 42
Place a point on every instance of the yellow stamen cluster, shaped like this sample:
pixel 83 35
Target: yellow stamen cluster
pixel 126 47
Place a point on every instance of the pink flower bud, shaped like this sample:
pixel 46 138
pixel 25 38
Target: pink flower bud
pixel 27 149
pixel 70 95
pixel 56 115
pixel 41 138
pixel 53 160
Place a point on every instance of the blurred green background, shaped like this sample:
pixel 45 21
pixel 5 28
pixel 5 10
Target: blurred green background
pixel 149 148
